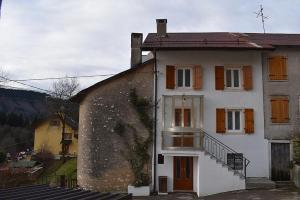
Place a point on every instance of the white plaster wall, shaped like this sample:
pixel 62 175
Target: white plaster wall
pixel 253 146
pixel 214 178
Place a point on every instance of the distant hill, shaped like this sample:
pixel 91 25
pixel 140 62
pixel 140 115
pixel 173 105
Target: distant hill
pixel 19 109
pixel 30 104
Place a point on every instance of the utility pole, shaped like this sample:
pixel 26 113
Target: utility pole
pixel 260 13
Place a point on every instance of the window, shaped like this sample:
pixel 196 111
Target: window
pixel 235 160
pixel 54 122
pixel 183 120
pixel 232 78
pixel 280 109
pixel 234 120
pixel 277 68
pixel 183 77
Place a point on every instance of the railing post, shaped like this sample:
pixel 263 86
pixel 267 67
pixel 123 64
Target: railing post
pixel 245 171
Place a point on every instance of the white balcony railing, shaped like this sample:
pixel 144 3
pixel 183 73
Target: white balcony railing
pixel 182 139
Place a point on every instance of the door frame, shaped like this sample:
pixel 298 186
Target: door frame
pixel 270 152
pixel 192 174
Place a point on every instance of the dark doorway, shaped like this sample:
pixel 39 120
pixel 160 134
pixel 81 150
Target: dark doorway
pixel 280 158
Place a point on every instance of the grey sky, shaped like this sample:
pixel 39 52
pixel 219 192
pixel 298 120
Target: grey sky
pixel 50 38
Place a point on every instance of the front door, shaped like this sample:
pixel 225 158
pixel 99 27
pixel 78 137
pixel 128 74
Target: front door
pixel 183 173
pixel 280 158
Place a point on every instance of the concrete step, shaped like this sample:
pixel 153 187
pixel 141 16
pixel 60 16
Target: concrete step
pixel 259 183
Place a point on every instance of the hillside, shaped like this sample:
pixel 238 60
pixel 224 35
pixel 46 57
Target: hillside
pixel 18 110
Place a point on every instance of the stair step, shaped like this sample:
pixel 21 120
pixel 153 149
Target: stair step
pixel 259 183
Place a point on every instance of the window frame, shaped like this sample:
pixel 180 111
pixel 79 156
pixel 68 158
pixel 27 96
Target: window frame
pixel 182 117
pixel 242 117
pixel 183 77
pixel 232 77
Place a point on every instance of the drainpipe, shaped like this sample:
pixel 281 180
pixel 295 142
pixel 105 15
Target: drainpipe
pixel 155 121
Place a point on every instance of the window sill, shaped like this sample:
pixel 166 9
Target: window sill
pixel 234 90
pixel 279 80
pixel 285 123
pixel 235 133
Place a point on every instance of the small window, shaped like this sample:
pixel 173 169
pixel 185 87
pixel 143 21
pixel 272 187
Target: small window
pixel 232 78
pixel 183 76
pixel 234 120
pixel 183 120
pixel 235 160
pixel 54 122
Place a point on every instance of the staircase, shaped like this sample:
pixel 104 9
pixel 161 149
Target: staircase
pixel 224 155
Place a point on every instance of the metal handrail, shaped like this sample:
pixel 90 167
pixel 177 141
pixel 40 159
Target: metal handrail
pixel 216 149
pixel 220 151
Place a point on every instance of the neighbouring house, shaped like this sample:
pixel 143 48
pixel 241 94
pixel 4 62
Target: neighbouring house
pixel 281 75
pixel 48 136
pixel 106 120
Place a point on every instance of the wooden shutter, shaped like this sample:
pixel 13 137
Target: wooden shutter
pixel 249 121
pixel 170 77
pixel 219 77
pixel 277 68
pixel 187 118
pixel 220 120
pixel 247 73
pixel 280 110
pixel 197 78
pixel 178 117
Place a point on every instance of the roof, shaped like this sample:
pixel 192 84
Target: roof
pixel 220 40
pixel 69 121
pixel 80 95
pixel 47 192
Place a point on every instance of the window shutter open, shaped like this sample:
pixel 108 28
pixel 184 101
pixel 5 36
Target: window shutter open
pixel 170 77
pixel 249 121
pixel 197 77
pixel 219 77
pixel 247 73
pixel 220 120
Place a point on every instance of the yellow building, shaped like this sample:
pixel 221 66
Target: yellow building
pixel 48 137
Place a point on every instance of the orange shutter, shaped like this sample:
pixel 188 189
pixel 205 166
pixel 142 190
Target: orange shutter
pixel 219 77
pixel 277 68
pixel 187 117
pixel 220 120
pixel 247 72
pixel 280 110
pixel 249 121
pixel 197 77
pixel 170 77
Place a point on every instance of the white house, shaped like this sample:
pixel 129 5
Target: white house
pixel 210 114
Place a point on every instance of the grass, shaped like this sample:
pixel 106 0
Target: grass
pixel 69 168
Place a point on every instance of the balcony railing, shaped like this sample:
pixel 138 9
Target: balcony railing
pixel 68 136
pixel 197 139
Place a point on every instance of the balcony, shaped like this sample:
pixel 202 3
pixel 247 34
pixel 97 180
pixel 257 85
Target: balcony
pixel 68 138
pixel 178 139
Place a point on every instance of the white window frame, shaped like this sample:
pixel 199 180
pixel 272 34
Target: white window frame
pixel 232 77
pixel 233 120
pixel 183 80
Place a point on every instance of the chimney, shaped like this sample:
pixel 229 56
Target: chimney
pixel 161 27
pixel 136 52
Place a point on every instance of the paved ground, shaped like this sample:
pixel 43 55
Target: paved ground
pixel 284 193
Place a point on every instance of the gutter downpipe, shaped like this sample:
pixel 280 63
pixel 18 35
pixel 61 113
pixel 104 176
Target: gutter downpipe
pixel 155 122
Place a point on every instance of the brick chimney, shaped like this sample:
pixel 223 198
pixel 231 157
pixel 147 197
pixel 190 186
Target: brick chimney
pixel 136 52
pixel 161 27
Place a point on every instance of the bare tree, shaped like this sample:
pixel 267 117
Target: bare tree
pixel 3 77
pixel 61 107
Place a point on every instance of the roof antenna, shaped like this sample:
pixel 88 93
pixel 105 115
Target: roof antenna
pixel 261 14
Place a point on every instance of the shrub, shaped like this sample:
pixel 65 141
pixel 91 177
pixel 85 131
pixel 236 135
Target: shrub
pixel 44 157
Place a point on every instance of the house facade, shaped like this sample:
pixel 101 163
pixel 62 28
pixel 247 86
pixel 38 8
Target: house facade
pixel 48 137
pixel 281 102
pixel 210 116
pixel 106 120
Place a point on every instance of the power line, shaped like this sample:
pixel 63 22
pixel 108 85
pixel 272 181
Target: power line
pixel 65 77
pixel 25 84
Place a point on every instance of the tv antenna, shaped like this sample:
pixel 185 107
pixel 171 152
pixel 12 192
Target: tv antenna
pixel 260 13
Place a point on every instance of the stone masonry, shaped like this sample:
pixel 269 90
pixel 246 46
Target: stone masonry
pixel 102 165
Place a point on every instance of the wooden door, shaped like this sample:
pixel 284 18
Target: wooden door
pixel 183 173
pixel 280 158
